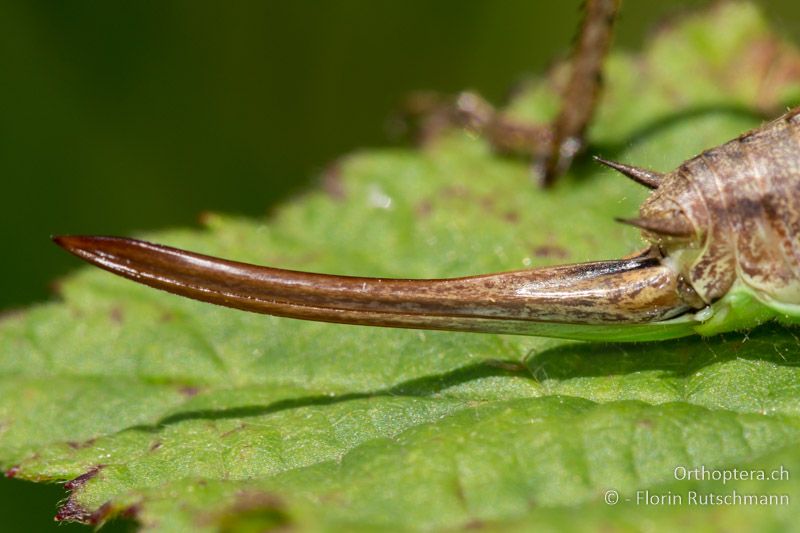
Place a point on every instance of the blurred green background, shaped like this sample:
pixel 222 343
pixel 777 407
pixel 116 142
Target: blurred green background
pixel 127 116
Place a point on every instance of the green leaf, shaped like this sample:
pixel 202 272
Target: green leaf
pixel 192 417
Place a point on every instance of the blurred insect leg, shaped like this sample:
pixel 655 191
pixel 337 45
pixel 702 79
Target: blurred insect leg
pixel 429 115
pixel 552 145
pixel 506 135
pixel 423 116
pixel 582 91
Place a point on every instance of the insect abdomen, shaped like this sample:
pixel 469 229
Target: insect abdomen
pixel 767 209
pixel 742 203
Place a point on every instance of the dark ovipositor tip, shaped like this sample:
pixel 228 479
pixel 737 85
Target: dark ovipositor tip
pixel 64 241
pixel 88 246
pixel 71 243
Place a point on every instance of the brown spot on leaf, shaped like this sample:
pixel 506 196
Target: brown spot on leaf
pixel 77 445
pixel 72 511
pixel 454 191
pixel 550 251
pixel 131 512
pixel 117 315
pixel 487 202
pixel 101 514
pixel 237 429
pixel 424 209
pixel 332 183
pixel 156 445
pixel 257 499
pixel 205 217
pixel 189 391
pixel 262 511
pixel 83 478
pixel 56 286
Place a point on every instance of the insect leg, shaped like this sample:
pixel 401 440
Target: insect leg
pixel 552 145
pixel 582 91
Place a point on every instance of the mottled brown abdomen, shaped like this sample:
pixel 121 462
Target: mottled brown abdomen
pixel 732 215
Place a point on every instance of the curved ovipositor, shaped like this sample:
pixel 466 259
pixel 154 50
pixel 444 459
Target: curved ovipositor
pixel 724 230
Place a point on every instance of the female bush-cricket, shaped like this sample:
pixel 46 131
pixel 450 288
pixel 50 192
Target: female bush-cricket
pixel 724 254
